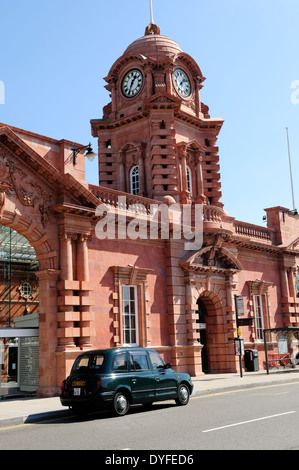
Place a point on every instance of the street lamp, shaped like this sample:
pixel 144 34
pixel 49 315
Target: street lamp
pixel 89 153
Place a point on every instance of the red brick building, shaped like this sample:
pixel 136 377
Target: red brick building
pixel 157 144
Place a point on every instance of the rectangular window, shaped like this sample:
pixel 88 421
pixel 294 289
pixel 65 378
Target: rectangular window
pixel 130 315
pixel 139 361
pixel 259 317
pixel 120 362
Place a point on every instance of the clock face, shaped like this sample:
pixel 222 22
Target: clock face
pixel 182 83
pixel 132 83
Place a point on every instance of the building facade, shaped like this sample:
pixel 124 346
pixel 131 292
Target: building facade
pixel 113 268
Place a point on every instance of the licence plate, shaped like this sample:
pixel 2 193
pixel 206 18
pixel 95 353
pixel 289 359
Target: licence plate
pixel 78 383
pixel 77 391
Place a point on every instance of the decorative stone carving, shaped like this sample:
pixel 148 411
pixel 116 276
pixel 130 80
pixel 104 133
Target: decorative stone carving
pixel 14 180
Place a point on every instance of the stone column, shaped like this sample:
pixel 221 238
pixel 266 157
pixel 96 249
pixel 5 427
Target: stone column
pixel 121 171
pixel 200 197
pixel 284 283
pixel 192 326
pixel 84 291
pixel 66 257
pixel 291 281
pixel 48 341
pixel 66 301
pixel 198 86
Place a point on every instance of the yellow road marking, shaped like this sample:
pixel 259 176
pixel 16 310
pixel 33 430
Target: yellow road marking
pixel 208 394
pixel 16 426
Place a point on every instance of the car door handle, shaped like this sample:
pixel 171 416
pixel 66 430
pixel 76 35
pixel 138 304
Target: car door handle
pixel 134 381
pixel 157 379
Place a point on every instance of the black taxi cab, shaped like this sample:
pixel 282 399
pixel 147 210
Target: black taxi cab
pixel 118 377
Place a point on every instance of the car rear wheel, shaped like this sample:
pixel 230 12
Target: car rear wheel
pixel 183 395
pixel 121 404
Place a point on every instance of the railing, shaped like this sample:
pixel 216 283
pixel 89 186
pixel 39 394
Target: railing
pixel 252 231
pixel 142 205
pixel 123 201
pixel 212 213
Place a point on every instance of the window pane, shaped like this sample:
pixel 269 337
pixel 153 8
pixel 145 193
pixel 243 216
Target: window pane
pixel 127 336
pixel 156 359
pixel 140 362
pixel 133 337
pixel 120 362
pixel 126 292
pixel 127 321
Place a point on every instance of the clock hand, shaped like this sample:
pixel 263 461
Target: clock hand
pixel 132 82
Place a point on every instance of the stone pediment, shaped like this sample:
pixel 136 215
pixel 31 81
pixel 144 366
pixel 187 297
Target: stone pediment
pixel 292 246
pixel 211 258
pixel 162 100
pixel 192 145
pixel 31 181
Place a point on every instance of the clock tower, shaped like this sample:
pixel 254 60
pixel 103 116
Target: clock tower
pixel 156 138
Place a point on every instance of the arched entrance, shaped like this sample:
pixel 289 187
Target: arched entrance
pixel 19 313
pixel 202 329
pixel 212 333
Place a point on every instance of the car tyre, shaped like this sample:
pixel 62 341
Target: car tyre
pixel 121 404
pixel 183 395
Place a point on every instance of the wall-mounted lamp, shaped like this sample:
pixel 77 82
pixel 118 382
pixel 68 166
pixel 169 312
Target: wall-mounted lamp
pixel 89 153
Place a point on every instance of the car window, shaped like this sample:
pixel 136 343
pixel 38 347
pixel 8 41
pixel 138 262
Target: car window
pixel 82 362
pixel 156 360
pixel 139 361
pixel 89 361
pixel 120 362
pixel 96 361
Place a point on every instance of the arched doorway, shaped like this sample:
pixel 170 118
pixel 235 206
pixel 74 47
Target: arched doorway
pixel 213 333
pixel 19 312
pixel 202 329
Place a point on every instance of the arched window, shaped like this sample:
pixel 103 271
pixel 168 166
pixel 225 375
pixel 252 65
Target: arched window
pixel 189 179
pixel 134 180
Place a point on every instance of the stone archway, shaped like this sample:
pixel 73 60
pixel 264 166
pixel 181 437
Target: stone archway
pixel 216 334
pixel 47 276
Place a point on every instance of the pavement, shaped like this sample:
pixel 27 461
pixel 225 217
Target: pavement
pixel 19 410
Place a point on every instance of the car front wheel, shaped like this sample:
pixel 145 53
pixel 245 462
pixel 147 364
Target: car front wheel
pixel 183 395
pixel 121 404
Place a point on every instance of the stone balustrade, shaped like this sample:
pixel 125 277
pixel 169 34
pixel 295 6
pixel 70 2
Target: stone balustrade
pixel 253 231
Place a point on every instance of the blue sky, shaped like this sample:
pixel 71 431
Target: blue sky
pixel 54 55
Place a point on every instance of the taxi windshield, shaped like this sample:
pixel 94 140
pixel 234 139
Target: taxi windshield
pixel 89 362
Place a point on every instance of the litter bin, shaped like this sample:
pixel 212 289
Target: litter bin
pixel 251 359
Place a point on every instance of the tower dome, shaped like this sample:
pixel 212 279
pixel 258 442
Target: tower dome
pixel 154 45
